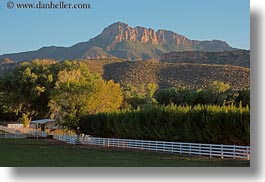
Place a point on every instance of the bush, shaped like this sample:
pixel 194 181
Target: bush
pixel 200 124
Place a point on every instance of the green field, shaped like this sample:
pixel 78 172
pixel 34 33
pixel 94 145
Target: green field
pixel 51 153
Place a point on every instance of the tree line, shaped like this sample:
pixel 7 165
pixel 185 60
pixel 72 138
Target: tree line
pixel 75 97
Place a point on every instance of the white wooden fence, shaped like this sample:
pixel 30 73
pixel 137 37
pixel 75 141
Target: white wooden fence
pixel 20 132
pixel 210 150
pixel 11 133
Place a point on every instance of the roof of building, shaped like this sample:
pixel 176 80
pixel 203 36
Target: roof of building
pixel 41 121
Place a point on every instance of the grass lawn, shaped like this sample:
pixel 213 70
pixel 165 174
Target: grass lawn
pixel 51 153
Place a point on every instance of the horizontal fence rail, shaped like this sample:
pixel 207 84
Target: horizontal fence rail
pixel 210 150
pixel 10 135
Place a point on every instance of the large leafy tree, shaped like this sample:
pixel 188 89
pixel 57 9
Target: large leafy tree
pixel 215 93
pixel 67 89
pixel 244 97
pixel 179 96
pixel 78 92
pixel 26 89
pixel 139 96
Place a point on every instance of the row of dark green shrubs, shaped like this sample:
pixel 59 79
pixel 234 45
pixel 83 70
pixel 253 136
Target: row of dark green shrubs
pixel 199 124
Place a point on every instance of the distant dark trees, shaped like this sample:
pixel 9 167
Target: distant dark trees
pixel 217 93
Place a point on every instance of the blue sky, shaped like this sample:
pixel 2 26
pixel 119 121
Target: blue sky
pixel 24 29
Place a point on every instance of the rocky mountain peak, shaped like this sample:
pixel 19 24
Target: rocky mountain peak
pixel 120 31
pixel 123 41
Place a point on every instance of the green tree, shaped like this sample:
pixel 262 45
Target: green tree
pixel 139 96
pixel 166 96
pixel 244 97
pixel 107 96
pixel 26 90
pixel 78 92
pixel 218 87
pixel 178 96
pixel 150 90
pixel 216 93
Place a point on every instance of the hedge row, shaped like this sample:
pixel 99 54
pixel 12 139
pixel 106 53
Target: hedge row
pixel 200 124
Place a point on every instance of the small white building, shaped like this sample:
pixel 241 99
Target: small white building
pixel 15 125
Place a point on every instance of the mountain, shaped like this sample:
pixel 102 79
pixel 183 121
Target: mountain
pixel 166 75
pixel 122 41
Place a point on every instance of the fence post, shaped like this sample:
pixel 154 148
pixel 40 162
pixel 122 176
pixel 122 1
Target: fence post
pixel 222 151
pixel 234 151
pixel 180 148
pixel 106 142
pixel 190 148
pixel 248 152
pixel 149 145
pixel 200 149
pixel 210 150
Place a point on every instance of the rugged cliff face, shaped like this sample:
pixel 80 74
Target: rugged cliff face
pixel 123 41
pixel 119 32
